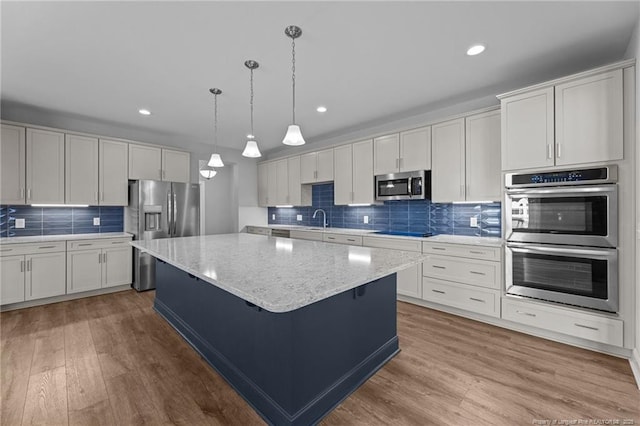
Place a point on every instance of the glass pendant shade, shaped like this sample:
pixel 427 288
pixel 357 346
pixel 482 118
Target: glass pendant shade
pixel 293 136
pixel 251 150
pixel 215 161
pixel 207 172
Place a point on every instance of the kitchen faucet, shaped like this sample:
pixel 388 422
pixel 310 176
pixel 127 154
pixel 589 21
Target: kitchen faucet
pixel 324 222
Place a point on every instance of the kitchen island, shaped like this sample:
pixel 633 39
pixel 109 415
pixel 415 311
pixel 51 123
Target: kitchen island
pixel 294 326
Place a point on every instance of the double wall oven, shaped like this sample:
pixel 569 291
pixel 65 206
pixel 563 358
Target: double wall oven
pixel 562 236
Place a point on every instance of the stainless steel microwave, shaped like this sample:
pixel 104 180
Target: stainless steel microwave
pixel 403 186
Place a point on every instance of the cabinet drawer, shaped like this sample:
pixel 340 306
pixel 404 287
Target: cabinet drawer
pixel 459 250
pixel 462 296
pixel 469 271
pixel 306 235
pixel 565 321
pixel 95 244
pixel 392 243
pixel 258 230
pixel 354 240
pixel 31 248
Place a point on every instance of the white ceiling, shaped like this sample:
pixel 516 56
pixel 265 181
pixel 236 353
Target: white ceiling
pixel 368 62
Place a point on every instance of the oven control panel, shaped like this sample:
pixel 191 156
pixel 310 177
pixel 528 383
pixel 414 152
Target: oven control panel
pixel 606 174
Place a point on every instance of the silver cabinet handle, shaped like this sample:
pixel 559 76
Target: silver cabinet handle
pixel 477 300
pixel 476 252
pixel 22 266
pixel 105 258
pixel 6 249
pixel 549 151
pixel 439 248
pixel 330 238
pixel 85 244
pixel 175 212
pixel 117 242
pixel 438 291
pixel 169 212
pixel 97 197
pixel 46 247
pixel 526 313
pixel 558 149
pixel 477 273
pixel 29 194
pixel 438 267
pixel 586 326
pixel 29 265
pixel 400 162
pixel 99 257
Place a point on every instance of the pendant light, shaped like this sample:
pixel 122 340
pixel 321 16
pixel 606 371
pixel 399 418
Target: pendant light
pixel 215 160
pixel 294 135
pixel 251 149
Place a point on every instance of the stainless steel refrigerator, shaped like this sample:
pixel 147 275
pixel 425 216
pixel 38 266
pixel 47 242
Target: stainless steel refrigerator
pixel 159 210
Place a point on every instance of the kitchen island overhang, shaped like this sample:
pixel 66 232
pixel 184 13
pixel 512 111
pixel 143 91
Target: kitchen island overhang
pixel 296 361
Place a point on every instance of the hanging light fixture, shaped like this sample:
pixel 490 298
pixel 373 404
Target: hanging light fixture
pixel 215 160
pixel 251 149
pixel 208 172
pixel 294 135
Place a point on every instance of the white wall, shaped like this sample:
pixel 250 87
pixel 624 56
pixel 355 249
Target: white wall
pixel 240 181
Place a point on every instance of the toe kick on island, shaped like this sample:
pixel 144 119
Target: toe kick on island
pixel 292 367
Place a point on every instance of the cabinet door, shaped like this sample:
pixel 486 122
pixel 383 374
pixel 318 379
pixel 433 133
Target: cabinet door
pixel 45 167
pixel 447 145
pixel 272 180
pixel 116 266
pixel 527 130
pixel 263 185
pixel 386 154
pixel 363 182
pixel 282 183
pixel 46 275
pixel 343 177
pixel 11 279
pixel 483 157
pixel 12 165
pixel 84 270
pixel 409 281
pixel 325 166
pixel 294 186
pixel 113 173
pixel 309 167
pixel 175 166
pixel 415 150
pixel 144 162
pixel 81 170
pixel 589 119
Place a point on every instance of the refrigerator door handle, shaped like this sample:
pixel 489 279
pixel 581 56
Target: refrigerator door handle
pixel 175 214
pixel 169 210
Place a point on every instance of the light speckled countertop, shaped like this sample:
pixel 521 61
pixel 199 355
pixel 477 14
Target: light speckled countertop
pixel 62 237
pixel 278 274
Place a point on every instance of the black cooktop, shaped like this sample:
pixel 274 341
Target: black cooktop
pixel 406 234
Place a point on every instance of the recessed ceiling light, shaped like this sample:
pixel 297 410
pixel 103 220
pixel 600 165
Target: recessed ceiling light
pixel 321 109
pixel 144 111
pixel 476 49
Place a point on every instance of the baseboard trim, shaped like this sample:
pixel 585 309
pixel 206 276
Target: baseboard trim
pixel 634 362
pixel 64 298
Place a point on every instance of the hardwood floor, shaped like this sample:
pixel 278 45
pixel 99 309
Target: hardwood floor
pixel 112 360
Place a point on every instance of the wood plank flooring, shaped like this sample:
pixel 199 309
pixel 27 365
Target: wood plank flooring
pixel 111 360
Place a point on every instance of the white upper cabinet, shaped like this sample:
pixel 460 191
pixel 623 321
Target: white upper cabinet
pixel 113 171
pixel 263 185
pixel 316 167
pixel 402 152
pixel 145 162
pixel 298 195
pixel 353 180
pixel 45 167
pixel 272 182
pixel 282 182
pixel 483 157
pixel 576 121
pixel 175 166
pixel 448 171
pixel 81 170
pixel 589 119
pixel 12 165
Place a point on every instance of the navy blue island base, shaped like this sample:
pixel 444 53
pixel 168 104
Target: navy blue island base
pixel 292 367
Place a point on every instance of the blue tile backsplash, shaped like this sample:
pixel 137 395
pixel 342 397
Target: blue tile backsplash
pixel 408 216
pixel 59 220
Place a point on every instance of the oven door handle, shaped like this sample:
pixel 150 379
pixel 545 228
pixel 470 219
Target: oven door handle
pixel 559 191
pixel 590 253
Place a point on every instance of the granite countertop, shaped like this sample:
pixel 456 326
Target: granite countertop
pixel 63 237
pixel 278 274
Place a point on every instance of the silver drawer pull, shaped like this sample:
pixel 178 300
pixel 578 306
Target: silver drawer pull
pixel 477 273
pixel 46 247
pixel 330 238
pixel 438 291
pixel 477 300
pixel 85 244
pixel 439 248
pixel 438 267
pixel 117 242
pixel 476 252
pixel 350 239
pixel 6 249
pixel 529 314
pixel 586 326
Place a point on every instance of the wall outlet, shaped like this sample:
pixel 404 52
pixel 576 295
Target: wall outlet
pixel 366 219
pixel 19 223
pixel 273 216
pixel 96 221
pixel 299 218
pixel 473 221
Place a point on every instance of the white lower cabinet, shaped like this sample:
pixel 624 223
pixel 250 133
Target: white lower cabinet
pixel 352 240
pixel 95 264
pixel 258 230
pixel 562 320
pixel 306 235
pixel 12 279
pixel 45 275
pixel 461 296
